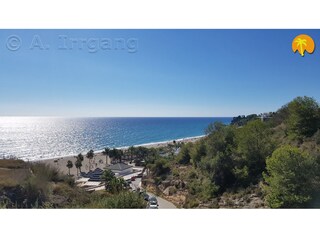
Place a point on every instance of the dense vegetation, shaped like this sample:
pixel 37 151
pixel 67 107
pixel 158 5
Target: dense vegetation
pixel 277 155
pixel 37 185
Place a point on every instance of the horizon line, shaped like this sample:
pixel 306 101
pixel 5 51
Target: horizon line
pixel 124 116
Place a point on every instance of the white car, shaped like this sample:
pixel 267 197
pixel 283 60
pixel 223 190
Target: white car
pixel 153 203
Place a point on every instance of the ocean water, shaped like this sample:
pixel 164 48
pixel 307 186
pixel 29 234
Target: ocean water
pixel 35 138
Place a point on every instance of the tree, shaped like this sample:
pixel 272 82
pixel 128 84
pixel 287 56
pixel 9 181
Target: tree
pixel 106 152
pixel 198 151
pixel 216 161
pixel 116 154
pixel 304 117
pixel 90 155
pixel 160 168
pixel 107 176
pixel 213 127
pixel 131 151
pixel 78 165
pixel 254 145
pixel 69 165
pixel 112 183
pixel 141 153
pixel 184 154
pixel 116 185
pixel 78 162
pixel 290 178
pixel 243 120
pixel 80 157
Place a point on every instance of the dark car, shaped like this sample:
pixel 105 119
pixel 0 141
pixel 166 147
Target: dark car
pixel 153 203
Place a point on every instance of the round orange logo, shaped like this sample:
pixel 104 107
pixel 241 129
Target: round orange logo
pixel 302 43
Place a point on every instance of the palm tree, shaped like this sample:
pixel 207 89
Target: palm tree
pixel 120 154
pixel 119 185
pixel 69 165
pixel 80 157
pixel 107 176
pixel 78 164
pixel 131 151
pixel 116 185
pixel 90 155
pixel 116 154
pixel 106 152
pixel 300 44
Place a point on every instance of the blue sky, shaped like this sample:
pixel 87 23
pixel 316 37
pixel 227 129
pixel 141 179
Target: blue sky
pixel 171 73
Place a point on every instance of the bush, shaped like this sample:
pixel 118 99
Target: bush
pixel 184 154
pixel 208 190
pixel 191 202
pixel 304 117
pixel 242 176
pixel 290 178
pixel 66 196
pixel 46 172
pixel 192 175
pixel 254 146
pixel 160 168
pixel 197 152
pixel 175 172
pixel 123 200
pixel 36 192
pixel 316 137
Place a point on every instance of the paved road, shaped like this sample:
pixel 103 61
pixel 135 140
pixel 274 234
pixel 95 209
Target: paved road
pixel 163 204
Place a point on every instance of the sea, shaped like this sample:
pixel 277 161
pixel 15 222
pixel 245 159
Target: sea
pixel 36 138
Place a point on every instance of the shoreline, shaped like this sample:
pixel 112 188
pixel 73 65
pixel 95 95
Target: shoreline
pixel 147 145
pixel 100 160
pixel 155 144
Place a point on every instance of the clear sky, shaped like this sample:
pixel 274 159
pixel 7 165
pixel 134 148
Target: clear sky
pixel 153 73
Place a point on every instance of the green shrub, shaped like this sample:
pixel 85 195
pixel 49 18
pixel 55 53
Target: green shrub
pixel 191 202
pixel 175 173
pixel 36 191
pixel 184 154
pixel 123 200
pixel 304 117
pixel 192 175
pixel 316 137
pixel 290 178
pixel 46 172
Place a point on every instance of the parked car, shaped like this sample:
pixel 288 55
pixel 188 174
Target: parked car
pixel 133 178
pixel 153 203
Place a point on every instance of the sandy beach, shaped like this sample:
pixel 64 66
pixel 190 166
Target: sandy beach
pixel 100 160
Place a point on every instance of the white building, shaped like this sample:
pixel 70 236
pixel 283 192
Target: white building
pixel 121 169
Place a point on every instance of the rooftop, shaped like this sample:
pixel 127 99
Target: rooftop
pixel 119 167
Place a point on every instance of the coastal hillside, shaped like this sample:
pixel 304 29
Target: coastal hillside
pixel 271 160
pixel 258 161
pixel 38 185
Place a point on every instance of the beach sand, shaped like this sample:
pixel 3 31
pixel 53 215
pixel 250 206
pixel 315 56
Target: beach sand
pixel 100 160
